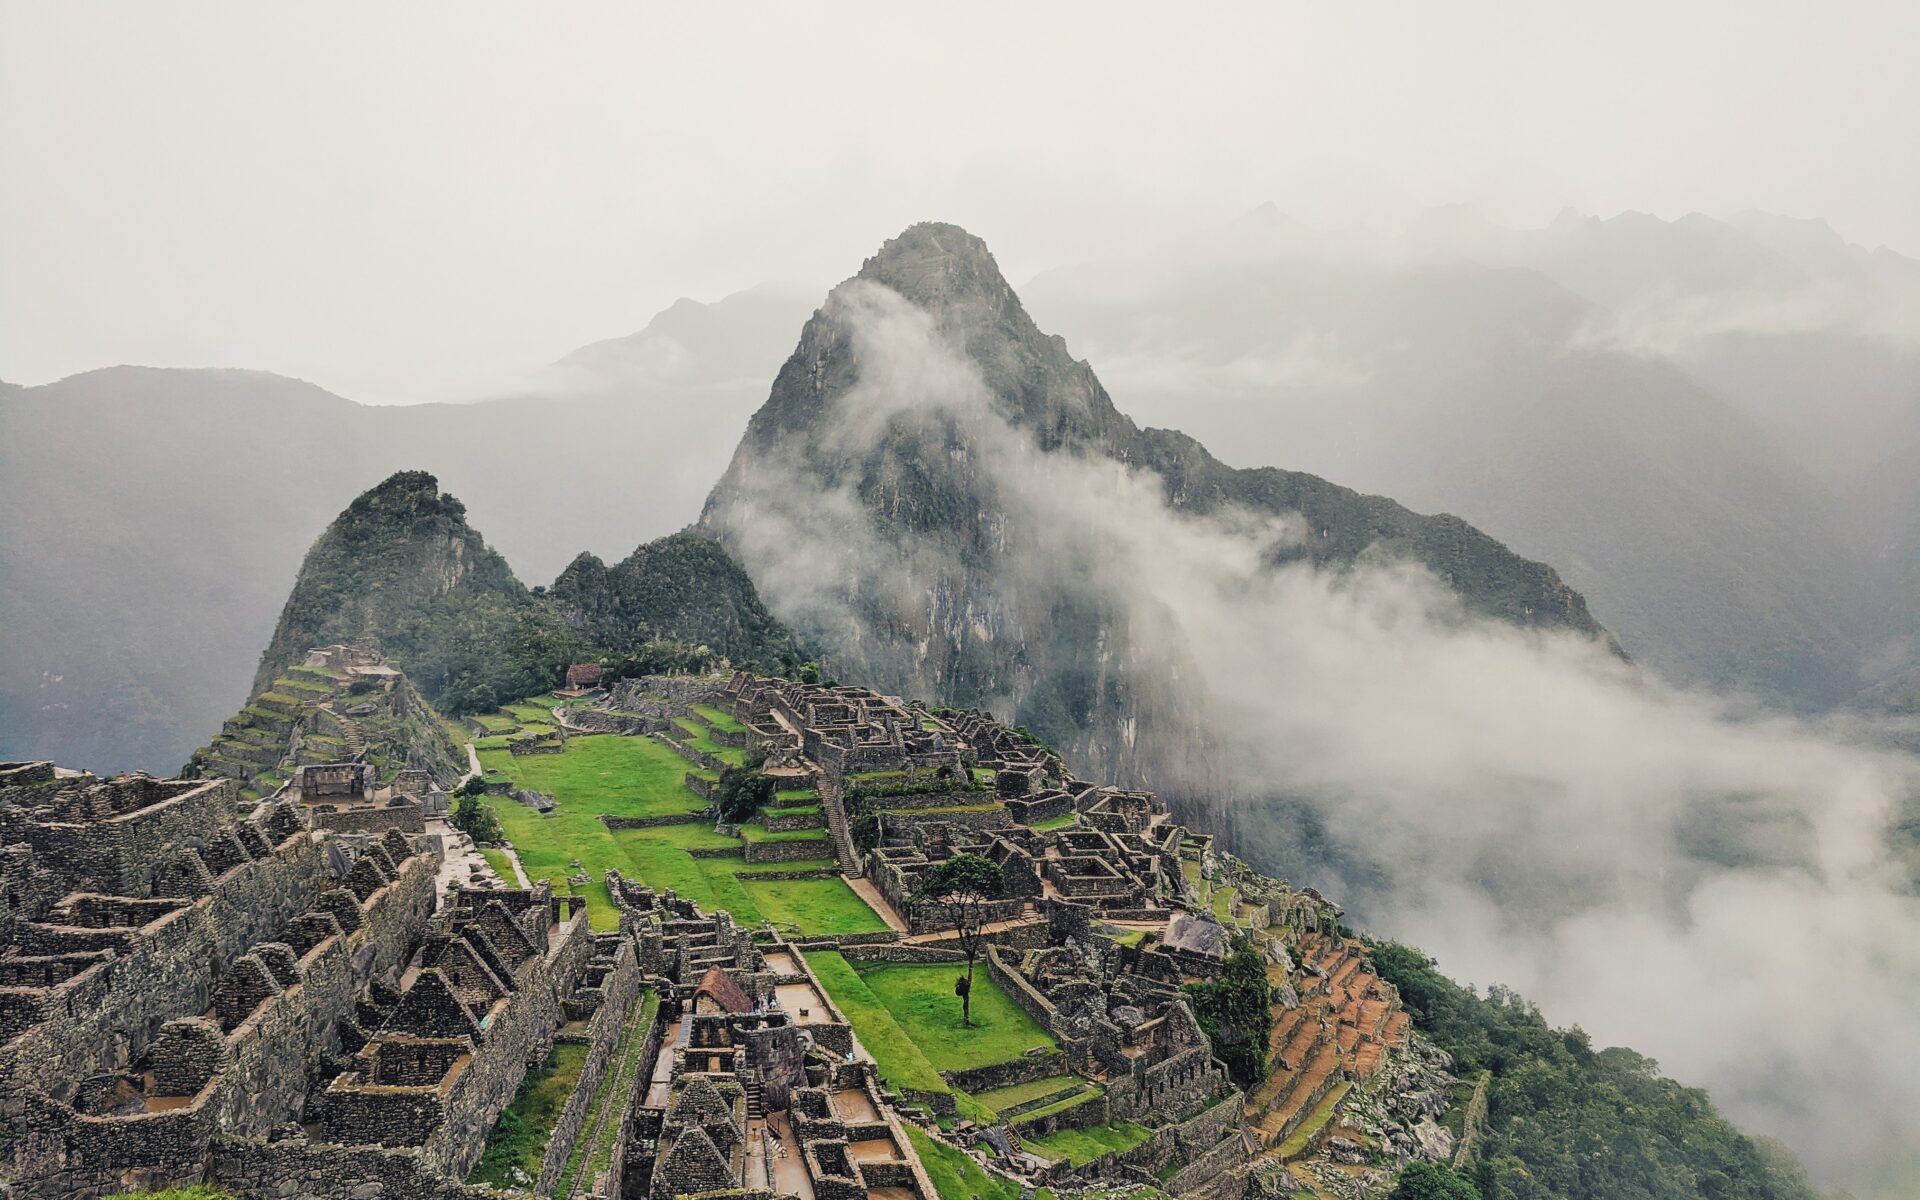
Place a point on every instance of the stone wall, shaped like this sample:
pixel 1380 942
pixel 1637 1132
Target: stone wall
pixel 1025 1069
pixel 121 854
pixel 900 952
pixel 1022 993
pixel 296 1169
pixel 622 988
pixel 794 851
pixel 406 818
pixel 613 822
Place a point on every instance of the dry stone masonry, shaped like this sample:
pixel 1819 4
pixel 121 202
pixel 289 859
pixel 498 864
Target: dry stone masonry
pixel 272 992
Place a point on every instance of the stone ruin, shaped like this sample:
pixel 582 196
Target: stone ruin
pixel 192 994
pixel 753 1079
pixel 270 1000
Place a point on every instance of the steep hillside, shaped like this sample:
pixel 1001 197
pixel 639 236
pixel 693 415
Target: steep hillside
pixel 682 588
pixel 400 570
pixel 318 715
pixel 897 498
pixel 397 549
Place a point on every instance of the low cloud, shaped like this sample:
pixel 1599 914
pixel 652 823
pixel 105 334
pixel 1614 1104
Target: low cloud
pixel 1715 886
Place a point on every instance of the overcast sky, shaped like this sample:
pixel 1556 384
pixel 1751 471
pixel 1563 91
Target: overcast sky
pixel 414 202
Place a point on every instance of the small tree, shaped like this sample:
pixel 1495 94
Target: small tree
pixel 741 792
pixel 961 888
pixel 475 818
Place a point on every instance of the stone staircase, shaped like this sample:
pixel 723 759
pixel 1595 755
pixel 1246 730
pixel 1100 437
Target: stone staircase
pixel 755 1108
pixel 837 830
pixel 349 732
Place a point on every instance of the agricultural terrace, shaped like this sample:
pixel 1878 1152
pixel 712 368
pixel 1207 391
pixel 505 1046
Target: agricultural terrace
pixel 908 1019
pixel 609 775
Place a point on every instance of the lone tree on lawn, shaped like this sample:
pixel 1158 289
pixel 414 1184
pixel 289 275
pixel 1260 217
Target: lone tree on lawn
pixel 960 888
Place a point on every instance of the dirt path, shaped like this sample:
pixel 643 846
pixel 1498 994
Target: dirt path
pixel 473 763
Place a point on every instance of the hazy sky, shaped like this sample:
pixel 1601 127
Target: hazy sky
pixel 410 202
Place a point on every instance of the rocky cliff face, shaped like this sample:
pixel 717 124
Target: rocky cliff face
pixel 934 487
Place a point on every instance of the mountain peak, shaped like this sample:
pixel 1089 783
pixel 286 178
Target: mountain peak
pixel 933 263
pixel 400 545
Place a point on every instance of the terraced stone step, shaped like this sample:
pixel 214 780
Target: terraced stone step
pixel 1057 1096
pixel 1301 1087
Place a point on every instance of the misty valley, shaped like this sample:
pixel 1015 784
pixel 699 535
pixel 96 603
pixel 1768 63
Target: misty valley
pixel 964 790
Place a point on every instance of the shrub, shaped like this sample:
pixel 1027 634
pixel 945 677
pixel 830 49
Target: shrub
pixel 475 818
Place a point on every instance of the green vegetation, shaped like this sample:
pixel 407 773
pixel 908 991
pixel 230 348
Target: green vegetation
pixel 960 888
pixel 919 999
pixel 956 1176
pixel 629 776
pixel 740 793
pixel 724 721
pixel 680 591
pixel 1235 1012
pixel 1431 1181
pixel 1003 1098
pixel 1063 821
pixel 757 833
pixel 593 1149
pixel 819 906
pixel 519 1139
pixel 698 736
pixel 1568 1122
pixel 894 1050
pixel 475 818
pixel 501 866
pixel 605 774
pixel 1316 1120
pixel 1081 1146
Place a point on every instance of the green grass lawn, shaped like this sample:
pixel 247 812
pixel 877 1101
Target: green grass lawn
pixel 921 1001
pixel 530 714
pixel 500 865
pixel 697 737
pixel 723 721
pixel 815 906
pixel 519 1139
pixel 1082 1146
pixel 1223 905
pixel 749 870
pixel 1064 821
pixel 1001 1099
pixel 797 796
pixel 497 722
pixel 758 833
pixel 900 1060
pixel 605 773
pixel 798 810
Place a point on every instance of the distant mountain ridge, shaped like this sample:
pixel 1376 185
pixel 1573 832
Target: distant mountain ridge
pixel 1741 507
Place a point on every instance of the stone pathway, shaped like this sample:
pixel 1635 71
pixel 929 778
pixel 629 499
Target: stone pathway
pixel 519 872
pixel 864 888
